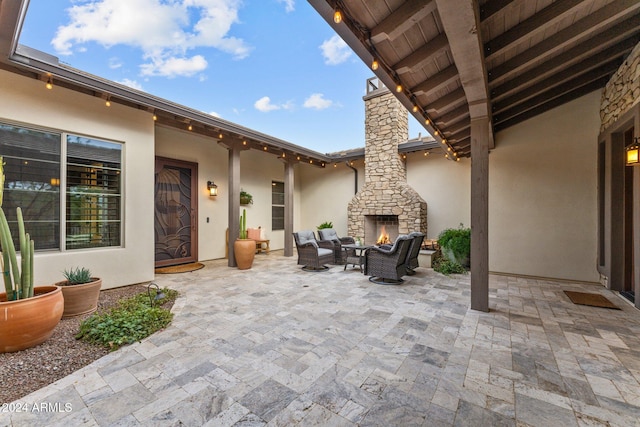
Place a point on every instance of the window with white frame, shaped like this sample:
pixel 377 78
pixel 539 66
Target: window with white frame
pixel 277 205
pixel 68 187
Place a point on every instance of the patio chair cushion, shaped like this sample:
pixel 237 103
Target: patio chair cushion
pixel 324 252
pixel 307 236
pixel 328 234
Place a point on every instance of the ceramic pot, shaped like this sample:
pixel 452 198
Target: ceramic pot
pixel 28 322
pixel 244 251
pixel 80 299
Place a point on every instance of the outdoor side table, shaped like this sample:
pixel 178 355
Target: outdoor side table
pixel 358 259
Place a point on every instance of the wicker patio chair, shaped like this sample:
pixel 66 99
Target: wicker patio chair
pixel 313 253
pixel 340 255
pixel 414 250
pixel 387 266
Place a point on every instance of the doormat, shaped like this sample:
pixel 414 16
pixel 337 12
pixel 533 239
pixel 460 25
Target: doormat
pixel 593 300
pixel 182 268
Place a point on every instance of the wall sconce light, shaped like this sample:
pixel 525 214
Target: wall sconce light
pixel 633 153
pixel 213 189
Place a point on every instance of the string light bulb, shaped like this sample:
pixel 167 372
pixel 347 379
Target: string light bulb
pixel 427 121
pixel 399 88
pixel 108 101
pixel 337 16
pixel 374 64
pixel 49 84
pixel 155 118
pixel 415 108
pixel 190 127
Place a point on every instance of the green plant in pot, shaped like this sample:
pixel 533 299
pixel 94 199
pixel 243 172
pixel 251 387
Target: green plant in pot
pixel 326 224
pixel 455 244
pixel 244 249
pixel 245 198
pixel 80 290
pixel 29 313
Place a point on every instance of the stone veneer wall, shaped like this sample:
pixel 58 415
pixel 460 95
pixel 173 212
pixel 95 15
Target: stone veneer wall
pixel 622 91
pixel 385 191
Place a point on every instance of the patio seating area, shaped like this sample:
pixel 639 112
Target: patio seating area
pixel 273 346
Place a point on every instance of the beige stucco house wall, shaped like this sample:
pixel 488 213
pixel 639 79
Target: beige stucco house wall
pixel 26 101
pixel 257 171
pixel 543 194
pixel 543 200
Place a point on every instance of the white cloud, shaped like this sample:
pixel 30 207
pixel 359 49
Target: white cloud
pixel 264 104
pixel 115 63
pixel 317 101
pixel 172 67
pixel 335 51
pixel 131 83
pixel 164 30
pixel 289 5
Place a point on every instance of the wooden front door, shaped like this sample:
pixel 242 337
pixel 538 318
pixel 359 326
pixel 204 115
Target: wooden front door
pixel 176 204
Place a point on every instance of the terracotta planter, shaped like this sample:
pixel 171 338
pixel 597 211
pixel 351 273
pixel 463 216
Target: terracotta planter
pixel 244 251
pixel 80 299
pixel 28 322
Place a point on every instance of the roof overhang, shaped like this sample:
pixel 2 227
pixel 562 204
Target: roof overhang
pixel 507 60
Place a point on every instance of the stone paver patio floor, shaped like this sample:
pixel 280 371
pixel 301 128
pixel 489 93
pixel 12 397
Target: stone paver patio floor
pixel 278 346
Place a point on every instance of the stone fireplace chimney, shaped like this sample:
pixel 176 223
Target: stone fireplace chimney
pixel 385 198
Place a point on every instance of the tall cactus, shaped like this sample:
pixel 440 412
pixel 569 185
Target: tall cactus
pixel 17 285
pixel 243 224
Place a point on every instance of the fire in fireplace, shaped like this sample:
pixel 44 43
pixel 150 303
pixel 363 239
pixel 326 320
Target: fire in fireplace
pixel 383 239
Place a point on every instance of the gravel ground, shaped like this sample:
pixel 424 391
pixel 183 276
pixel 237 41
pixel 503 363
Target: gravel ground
pixel 26 371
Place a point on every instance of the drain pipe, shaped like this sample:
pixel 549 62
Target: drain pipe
pixel 356 175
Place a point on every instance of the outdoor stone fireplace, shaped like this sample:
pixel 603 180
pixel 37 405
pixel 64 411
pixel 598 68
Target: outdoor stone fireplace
pixel 385 194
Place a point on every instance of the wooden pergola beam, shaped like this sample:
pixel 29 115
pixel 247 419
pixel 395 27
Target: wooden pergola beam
pixel 511 120
pixel 569 79
pixel 490 8
pixel 453 116
pixel 401 19
pixel 552 93
pixel 536 24
pixel 422 55
pixel 450 99
pixel 461 22
pixel 599 19
pixel 608 41
pixel 436 82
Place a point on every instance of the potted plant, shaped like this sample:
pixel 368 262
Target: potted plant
pixel 245 198
pixel 326 224
pixel 244 248
pixel 455 244
pixel 80 291
pixel 29 314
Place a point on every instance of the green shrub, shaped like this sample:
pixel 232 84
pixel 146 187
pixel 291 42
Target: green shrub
pixel 132 320
pixel 447 267
pixel 77 276
pixel 457 241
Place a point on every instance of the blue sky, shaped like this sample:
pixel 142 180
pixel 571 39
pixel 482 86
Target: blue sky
pixel 274 66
